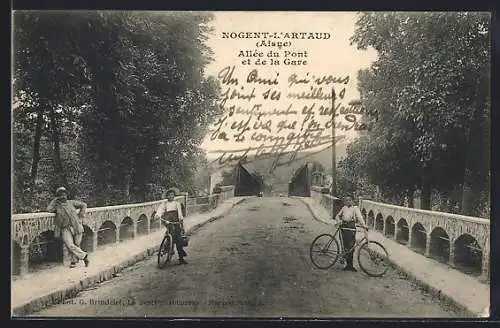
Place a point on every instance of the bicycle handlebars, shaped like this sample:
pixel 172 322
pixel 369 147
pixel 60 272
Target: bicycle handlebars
pixel 170 222
pixel 357 226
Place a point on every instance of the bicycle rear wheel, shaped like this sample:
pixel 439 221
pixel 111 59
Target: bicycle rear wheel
pixel 324 251
pixel 164 253
pixel 373 259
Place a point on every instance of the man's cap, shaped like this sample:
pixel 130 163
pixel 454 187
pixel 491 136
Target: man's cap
pixel 60 190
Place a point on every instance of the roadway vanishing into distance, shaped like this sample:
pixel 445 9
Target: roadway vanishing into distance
pixel 254 262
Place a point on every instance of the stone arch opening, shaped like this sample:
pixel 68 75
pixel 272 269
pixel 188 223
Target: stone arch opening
pixel 87 239
pixel 155 222
pixel 379 223
pixel 363 212
pixel 16 258
pixel 390 227
pixel 43 250
pixel 468 254
pixel 142 225
pixel 126 229
pixel 370 220
pixel 106 233
pixel 440 245
pixel 403 232
pixel 418 237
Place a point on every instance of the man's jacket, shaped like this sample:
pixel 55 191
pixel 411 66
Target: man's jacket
pixel 67 215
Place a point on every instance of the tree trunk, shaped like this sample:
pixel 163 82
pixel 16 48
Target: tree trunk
pixel 444 201
pixel 410 194
pixel 126 189
pixel 425 197
pixel 466 201
pixel 58 165
pixel 142 175
pixel 467 193
pixel 477 162
pixel 475 182
pixel 36 147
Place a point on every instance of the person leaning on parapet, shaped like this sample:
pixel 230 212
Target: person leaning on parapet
pixel 69 224
pixel 172 211
pixel 347 218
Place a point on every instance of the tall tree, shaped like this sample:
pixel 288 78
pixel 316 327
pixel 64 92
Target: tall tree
pixel 131 85
pixel 229 177
pixel 45 76
pixel 431 76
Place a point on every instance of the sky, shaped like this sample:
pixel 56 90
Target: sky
pixel 333 56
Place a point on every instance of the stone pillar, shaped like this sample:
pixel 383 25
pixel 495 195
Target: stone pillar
pixel 485 272
pixel 94 240
pixel 24 260
pixel 117 234
pixel 428 245
pixel 134 229
pixel 410 239
pixel 148 225
pixel 451 262
pixel 485 267
pixel 384 226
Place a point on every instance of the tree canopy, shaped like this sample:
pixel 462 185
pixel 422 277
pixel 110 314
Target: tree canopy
pixel 111 103
pixel 431 87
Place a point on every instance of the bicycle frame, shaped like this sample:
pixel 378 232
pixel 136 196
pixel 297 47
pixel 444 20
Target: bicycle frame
pixel 325 240
pixel 168 225
pixel 356 244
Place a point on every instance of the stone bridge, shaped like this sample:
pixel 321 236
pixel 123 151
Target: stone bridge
pixel 463 242
pixel 33 242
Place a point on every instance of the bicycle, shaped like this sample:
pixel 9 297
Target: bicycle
pixel 167 245
pixel 370 252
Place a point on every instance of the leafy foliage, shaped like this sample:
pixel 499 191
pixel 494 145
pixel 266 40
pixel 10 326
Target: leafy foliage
pixel 229 177
pixel 122 97
pixel 430 85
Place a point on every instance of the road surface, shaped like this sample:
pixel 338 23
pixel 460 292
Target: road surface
pixel 253 262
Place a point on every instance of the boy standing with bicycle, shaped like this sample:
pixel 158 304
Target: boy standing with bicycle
pixel 347 218
pixel 172 211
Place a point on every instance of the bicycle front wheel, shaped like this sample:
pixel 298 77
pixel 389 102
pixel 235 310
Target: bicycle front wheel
pixel 324 251
pixel 373 259
pixel 164 253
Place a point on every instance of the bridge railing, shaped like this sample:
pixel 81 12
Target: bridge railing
pixel 207 203
pixel 34 245
pixel 463 242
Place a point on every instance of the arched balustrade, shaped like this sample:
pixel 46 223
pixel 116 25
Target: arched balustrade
pixel 461 241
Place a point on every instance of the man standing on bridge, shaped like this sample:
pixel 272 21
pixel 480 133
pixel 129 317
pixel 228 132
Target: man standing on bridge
pixel 347 218
pixel 172 211
pixel 69 224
